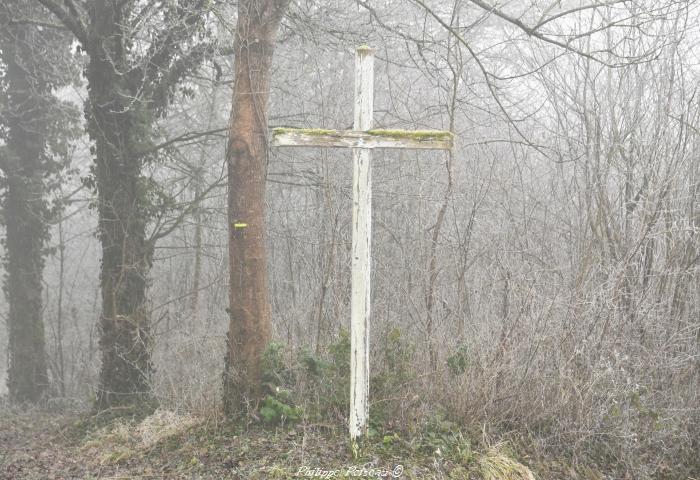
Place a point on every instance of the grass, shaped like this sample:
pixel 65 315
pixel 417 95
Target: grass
pixel 168 445
pixel 498 464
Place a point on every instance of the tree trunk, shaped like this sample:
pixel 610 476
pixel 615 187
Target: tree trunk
pixel 25 210
pixel 134 66
pixel 120 126
pixel 26 232
pixel 197 214
pixel 246 157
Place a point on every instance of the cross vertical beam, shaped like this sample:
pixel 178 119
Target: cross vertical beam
pixel 362 139
pixel 361 247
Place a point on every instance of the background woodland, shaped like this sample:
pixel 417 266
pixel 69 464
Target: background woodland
pixel 541 280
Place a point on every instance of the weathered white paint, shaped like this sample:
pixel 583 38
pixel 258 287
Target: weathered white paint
pixel 361 247
pixel 362 140
pixel 421 140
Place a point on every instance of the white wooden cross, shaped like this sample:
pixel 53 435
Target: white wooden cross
pixel 362 139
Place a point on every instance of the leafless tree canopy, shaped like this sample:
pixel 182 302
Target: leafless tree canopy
pixel 552 256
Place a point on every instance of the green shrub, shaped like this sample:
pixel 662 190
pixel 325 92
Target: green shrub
pixel 317 387
pixel 393 376
pixel 444 438
pixel 458 362
pixel 340 355
pixel 275 373
pixel 277 410
pixel 327 380
pixel 278 407
pixel 313 366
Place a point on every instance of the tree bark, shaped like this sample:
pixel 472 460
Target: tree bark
pixel 120 125
pixel 246 157
pixel 25 209
pixel 129 86
pixel 197 214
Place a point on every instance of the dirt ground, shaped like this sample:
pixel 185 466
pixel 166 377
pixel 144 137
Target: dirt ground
pixel 41 445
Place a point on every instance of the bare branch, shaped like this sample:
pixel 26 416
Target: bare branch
pixel 543 21
pixel 162 56
pixel 485 73
pixel 164 229
pixel 185 137
pixel 3 160
pixel 161 84
pixel 36 23
pixel 69 17
pixel 529 30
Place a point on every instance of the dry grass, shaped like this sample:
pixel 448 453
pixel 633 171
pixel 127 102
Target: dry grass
pixel 498 464
pixel 120 439
pixel 162 425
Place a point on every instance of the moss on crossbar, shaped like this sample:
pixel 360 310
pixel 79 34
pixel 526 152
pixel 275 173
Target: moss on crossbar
pixel 413 134
pixel 419 135
pixel 318 132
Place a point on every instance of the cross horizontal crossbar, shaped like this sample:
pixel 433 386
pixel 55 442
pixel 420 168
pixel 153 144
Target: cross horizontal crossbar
pixel 312 137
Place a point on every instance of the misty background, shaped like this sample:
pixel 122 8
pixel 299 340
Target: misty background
pixel 558 245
